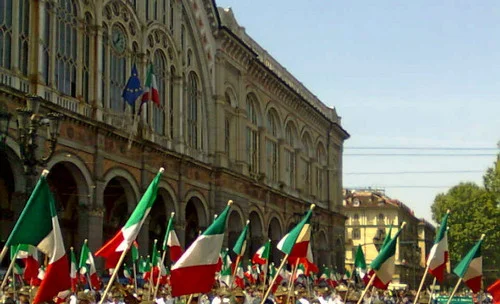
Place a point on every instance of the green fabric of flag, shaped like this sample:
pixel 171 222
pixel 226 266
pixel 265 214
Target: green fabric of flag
pixel 35 222
pixel 386 252
pixel 359 260
pixel 240 246
pixel 84 255
pixel 293 235
pixel 387 238
pixel 170 227
pixel 463 266
pixel 154 254
pixel 134 252
pixel 219 225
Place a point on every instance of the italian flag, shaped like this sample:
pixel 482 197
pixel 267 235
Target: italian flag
pixel 73 273
pixel 29 255
pixel 38 225
pixel 241 243
pixel 112 250
pixel 307 263
pixel 438 256
pixel 225 273
pixel 360 263
pixel 383 264
pixel 171 241
pixel 470 269
pixel 194 272
pixel 296 242
pixel 151 88
pixel 127 273
pixel 87 266
pixel 262 255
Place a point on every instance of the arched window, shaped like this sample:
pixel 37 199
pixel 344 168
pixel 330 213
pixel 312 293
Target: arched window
pixel 227 127
pixel 272 146
pixel 160 69
pixel 117 73
pixel 66 47
pixel 307 163
pixel 290 154
pixel 6 33
pixel 24 24
pixel 356 234
pixel 86 57
pixel 192 120
pixel 171 102
pixel 252 143
pixel 321 177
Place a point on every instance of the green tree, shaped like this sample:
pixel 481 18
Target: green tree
pixel 474 210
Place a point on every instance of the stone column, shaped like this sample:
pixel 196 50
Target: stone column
pixel 95 218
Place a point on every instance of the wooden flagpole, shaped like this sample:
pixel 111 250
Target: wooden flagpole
pixel 366 288
pixel 454 290
pixel 291 285
pixel 135 275
pixel 113 276
pixel 159 274
pixel 190 298
pixel 7 273
pixel 265 276
pixel 233 276
pixel 421 284
pixel 4 252
pixel 432 290
pixel 274 279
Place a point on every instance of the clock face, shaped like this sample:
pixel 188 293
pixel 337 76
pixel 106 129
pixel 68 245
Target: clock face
pixel 118 39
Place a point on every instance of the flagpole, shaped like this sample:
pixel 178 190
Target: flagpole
pixel 265 276
pixel 274 279
pixel 291 286
pixel 113 276
pixel 159 273
pixel 238 258
pixel 454 290
pixel 7 273
pixel 432 290
pixel 3 253
pixel 135 276
pixel 366 288
pixel 421 284
pixel 190 298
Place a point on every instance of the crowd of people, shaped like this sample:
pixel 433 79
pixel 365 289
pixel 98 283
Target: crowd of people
pixel 252 294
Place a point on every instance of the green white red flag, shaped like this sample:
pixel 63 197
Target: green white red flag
pixel 439 255
pixel 296 242
pixel 73 273
pixel 87 266
pixel 383 265
pixel 360 263
pixel 151 92
pixel 171 241
pixel 262 255
pixel 470 269
pixel 112 250
pixel 226 269
pixel 38 225
pixel 241 243
pixel 194 272
pixel 29 255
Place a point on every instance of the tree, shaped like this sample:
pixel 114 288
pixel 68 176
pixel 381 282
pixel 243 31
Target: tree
pixel 474 210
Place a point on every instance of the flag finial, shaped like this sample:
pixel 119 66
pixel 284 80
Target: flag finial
pixel 45 172
pixel 403 225
pixel 448 211
pixel 312 206
pixel 248 222
pixel 71 248
pixel 172 214
pixel 229 202
pixel 86 241
pixel 482 236
pixel 161 170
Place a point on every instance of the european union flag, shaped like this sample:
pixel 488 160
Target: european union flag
pixel 133 89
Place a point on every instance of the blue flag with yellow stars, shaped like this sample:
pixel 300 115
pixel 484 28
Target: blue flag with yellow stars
pixel 133 89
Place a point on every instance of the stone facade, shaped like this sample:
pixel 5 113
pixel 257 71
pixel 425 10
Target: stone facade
pixel 232 123
pixel 370 214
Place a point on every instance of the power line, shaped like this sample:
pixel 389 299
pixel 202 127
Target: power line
pixel 413 172
pixel 425 148
pixel 421 155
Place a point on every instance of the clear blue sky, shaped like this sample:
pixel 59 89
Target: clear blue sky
pixel 401 74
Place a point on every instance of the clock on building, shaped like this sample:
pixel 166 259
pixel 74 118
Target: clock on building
pixel 118 39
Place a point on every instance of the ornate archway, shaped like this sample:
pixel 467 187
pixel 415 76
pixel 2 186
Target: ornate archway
pixel 234 228
pixel 117 194
pixel 195 219
pixel 256 237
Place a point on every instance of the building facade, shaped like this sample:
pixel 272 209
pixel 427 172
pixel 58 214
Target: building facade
pixel 370 215
pixel 232 123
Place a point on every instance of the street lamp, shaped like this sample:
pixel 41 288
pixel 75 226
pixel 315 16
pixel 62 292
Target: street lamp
pixel 4 126
pixel 29 122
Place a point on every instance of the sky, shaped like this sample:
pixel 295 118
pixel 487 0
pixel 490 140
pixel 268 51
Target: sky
pixel 401 74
